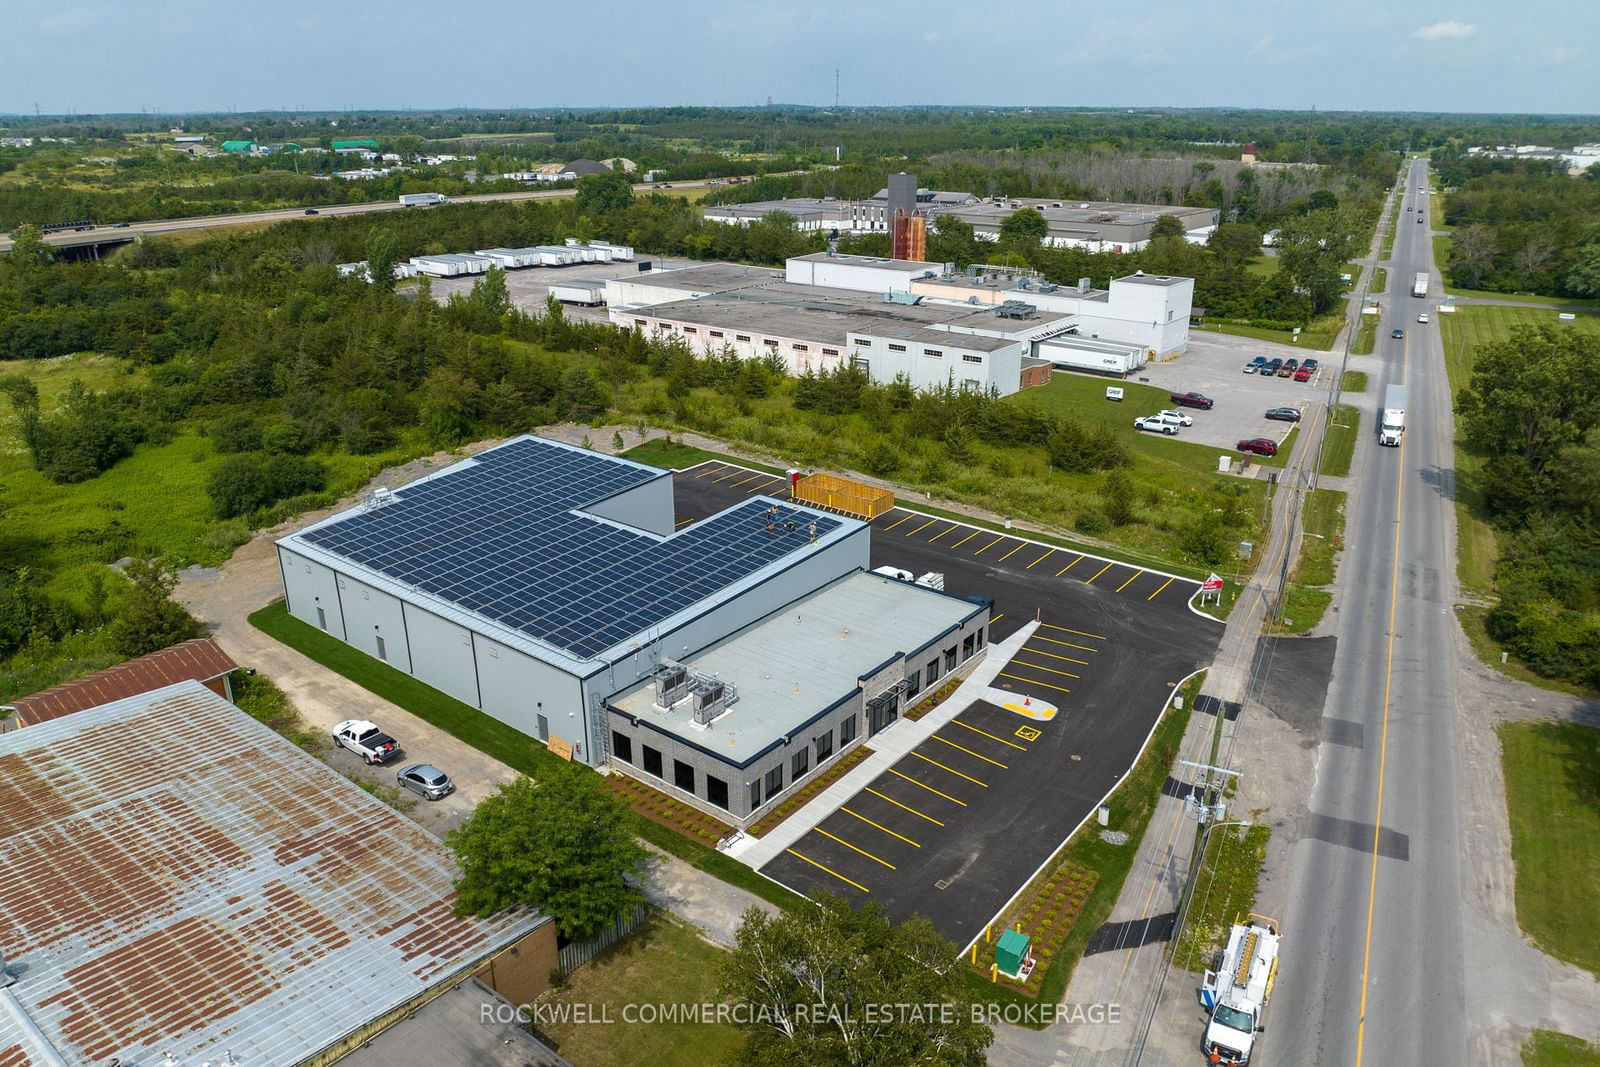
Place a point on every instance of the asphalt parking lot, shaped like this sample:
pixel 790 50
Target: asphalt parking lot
pixel 962 821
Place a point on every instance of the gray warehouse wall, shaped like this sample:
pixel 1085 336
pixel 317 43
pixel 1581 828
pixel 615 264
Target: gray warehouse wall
pixel 644 507
pixel 517 689
pixel 370 614
pixel 441 654
pixel 308 586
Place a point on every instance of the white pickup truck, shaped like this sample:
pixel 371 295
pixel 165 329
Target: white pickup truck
pixel 367 741
pixel 1166 422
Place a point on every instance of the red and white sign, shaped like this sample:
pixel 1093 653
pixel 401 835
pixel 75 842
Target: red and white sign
pixel 1212 584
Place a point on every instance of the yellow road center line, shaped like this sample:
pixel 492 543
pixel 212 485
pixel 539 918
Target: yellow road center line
pixel 1129 582
pixel 1040 560
pixel 928 787
pixel 1097 574
pixel 1037 667
pixel 990 545
pixel 1069 566
pixel 1383 756
pixel 880 826
pixel 968 751
pixel 941 533
pixel 897 522
pixel 1070 630
pixel 952 770
pixel 924 526
pixel 1030 681
pixel 986 733
pixel 1164 584
pixel 1052 655
pixel 1065 644
pixel 829 870
pixel 1013 552
pixel 967 538
pixel 903 807
pixel 853 848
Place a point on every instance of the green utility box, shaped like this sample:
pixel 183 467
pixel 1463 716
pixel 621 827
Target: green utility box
pixel 1011 953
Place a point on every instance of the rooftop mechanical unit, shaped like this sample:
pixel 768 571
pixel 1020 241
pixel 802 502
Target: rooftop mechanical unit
pixel 1016 309
pixel 709 696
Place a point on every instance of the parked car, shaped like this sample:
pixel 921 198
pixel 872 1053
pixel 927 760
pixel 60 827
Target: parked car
pixel 1255 364
pixel 1261 446
pixel 311 211
pixel 1272 367
pixel 1182 418
pixel 1423 318
pixel 1193 400
pixel 1308 364
pixel 1397 333
pixel 1284 414
pixel 1305 372
pixel 1289 367
pixel 426 780
pixel 1156 424
pixel 367 741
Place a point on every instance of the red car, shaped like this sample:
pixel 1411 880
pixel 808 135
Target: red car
pixel 1261 446
pixel 1192 400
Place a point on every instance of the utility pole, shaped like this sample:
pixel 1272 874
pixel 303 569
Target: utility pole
pixel 836 88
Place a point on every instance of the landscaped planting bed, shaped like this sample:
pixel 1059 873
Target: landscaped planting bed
pixel 1047 913
pixel 799 797
pixel 940 695
pixel 675 815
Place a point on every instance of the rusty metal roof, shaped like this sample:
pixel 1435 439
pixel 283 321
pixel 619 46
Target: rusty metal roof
pixel 200 659
pixel 175 877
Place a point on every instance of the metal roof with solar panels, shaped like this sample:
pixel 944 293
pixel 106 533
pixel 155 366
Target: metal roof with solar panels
pixel 504 537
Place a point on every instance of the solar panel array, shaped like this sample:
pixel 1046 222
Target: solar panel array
pixel 499 538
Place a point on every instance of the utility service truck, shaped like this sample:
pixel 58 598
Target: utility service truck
pixel 1237 992
pixel 1419 284
pixel 1392 425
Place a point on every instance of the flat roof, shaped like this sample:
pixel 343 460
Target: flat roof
pixel 907 266
pixel 708 278
pixel 200 659
pixel 505 540
pixel 1161 280
pixel 176 877
pixel 973 342
pixel 802 659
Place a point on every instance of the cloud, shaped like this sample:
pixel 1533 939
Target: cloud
pixel 1261 46
pixel 1448 30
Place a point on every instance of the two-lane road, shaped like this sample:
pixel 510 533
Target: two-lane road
pixel 1374 960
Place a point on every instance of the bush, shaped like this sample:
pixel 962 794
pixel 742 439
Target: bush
pixel 239 432
pixel 1091 522
pixel 245 483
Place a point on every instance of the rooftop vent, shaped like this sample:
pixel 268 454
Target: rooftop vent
pixel 1083 285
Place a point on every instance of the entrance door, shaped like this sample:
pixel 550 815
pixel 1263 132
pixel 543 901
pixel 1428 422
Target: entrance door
pixel 882 710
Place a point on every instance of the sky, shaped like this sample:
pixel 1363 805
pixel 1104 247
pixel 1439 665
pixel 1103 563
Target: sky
pixel 63 56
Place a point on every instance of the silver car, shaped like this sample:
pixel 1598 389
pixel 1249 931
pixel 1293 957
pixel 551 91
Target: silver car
pixel 426 780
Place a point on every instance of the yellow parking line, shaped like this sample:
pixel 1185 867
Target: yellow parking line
pixel 1065 644
pixel 967 538
pixel 941 533
pixel 1164 584
pixel 952 770
pixel 986 733
pixel 1070 630
pixel 830 870
pixel 1030 681
pixel 731 474
pixel 928 787
pixel 1099 572
pixel 853 848
pixel 1053 655
pixel 908 518
pixel 924 526
pixel 969 752
pixel 879 825
pixel 1129 582
pixel 1013 552
pixel 758 488
pixel 997 618
pixel 1037 667
pixel 746 481
pixel 712 469
pixel 897 804
pixel 1040 560
pixel 990 545
pixel 1069 566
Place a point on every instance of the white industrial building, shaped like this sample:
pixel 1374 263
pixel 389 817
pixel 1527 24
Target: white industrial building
pixel 550 586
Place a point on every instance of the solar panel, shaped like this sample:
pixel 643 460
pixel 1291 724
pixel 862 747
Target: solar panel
pixel 499 538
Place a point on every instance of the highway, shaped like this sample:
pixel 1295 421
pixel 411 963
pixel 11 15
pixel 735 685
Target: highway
pixel 1375 955
pixel 108 234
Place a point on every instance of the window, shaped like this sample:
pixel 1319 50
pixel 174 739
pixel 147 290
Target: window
pixel 690 329
pixel 979 636
pixel 913 683
pixel 967 648
pixel 933 670
pixel 775 781
pixel 741 337
pixel 934 352
pixel 897 348
pixel 755 794
pixel 802 348
pixel 770 343
pixel 969 358
pixel 542 724
pixel 717 792
pixel 322 619
pixel 621 746
pixel 683 776
pixel 715 333
pixel 830 351
pixel 824 747
pixel 383 650
pixel 652 761
pixel 950 659
pixel 800 764
pixel 862 342
pixel 972 384
pixel 847 731
pixel 640 323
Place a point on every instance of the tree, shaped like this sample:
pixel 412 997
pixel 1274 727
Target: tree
pixel 383 253
pixel 604 194
pixel 1235 243
pixel 27 245
pixel 1472 252
pixel 1117 496
pixel 1167 226
pixel 490 293
pixel 150 619
pixel 563 845
pixel 1025 227
pixel 813 982
pixel 1583 278
pixel 24 397
pixel 1312 252
pixel 581 396
pixel 953 240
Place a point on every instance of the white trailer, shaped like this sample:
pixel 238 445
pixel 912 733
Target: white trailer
pixel 555 255
pixel 1236 993
pixel 587 292
pixel 1419 284
pixel 623 252
pixel 422 199
pixel 1093 355
pixel 1392 425
pixel 451 265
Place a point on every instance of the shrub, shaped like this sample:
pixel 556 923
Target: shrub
pixel 1091 522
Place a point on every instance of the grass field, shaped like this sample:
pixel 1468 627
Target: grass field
pixel 1318 336
pixel 1354 381
pixel 1552 775
pixel 1344 424
pixel 1323 537
pixel 1366 336
pixel 663 963
pixel 1262 266
pixel 1380 279
pixel 1302 610
pixel 1547 1048
pixel 1224 890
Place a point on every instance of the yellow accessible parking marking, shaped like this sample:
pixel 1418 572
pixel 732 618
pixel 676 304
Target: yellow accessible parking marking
pixel 1069 566
pixel 986 733
pixel 942 532
pixel 1030 681
pixel 897 804
pixel 829 870
pixel 1129 582
pixel 1164 584
pixel 1066 644
pixel 885 829
pixel 952 770
pixel 967 538
pixel 968 751
pixel 897 522
pixel 1043 711
pixel 853 848
pixel 1052 655
pixel 1013 552
pixel 1029 733
pixel 990 545
pixel 929 788
pixel 1070 630
pixel 1099 572
pixel 924 526
pixel 1040 560
pixel 1037 667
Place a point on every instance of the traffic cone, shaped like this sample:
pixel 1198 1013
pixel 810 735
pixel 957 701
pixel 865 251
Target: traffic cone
pixel 1027 701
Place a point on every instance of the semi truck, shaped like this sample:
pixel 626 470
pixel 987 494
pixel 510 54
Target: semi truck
pixel 1392 426
pixel 1236 993
pixel 422 199
pixel 1419 284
